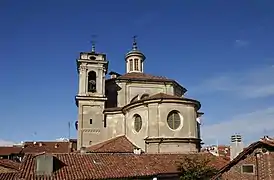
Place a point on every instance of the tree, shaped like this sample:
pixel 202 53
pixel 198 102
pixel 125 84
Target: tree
pixel 196 167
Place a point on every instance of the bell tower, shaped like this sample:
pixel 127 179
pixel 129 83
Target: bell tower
pixel 90 100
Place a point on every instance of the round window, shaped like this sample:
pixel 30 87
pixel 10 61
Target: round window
pixel 173 120
pixel 137 123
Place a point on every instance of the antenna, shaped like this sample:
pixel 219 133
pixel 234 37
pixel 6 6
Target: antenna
pixel 93 37
pixel 265 132
pixel 217 144
pixel 69 130
pixel 34 135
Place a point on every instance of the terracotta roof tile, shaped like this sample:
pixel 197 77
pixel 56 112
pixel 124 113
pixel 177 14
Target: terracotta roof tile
pixel 147 77
pixel 142 76
pixel 9 164
pixel 106 166
pixel 9 176
pixel 120 144
pixel 5 150
pixel 49 147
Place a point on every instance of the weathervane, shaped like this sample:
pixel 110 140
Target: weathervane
pixel 93 43
pixel 134 45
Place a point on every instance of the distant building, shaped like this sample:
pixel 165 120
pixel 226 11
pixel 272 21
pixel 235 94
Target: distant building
pixel 151 111
pixel 227 151
pixel 11 153
pixel 218 150
pixel 254 162
pixel 17 152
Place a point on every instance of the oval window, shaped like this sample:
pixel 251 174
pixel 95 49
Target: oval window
pixel 137 123
pixel 174 120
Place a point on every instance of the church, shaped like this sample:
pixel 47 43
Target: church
pixel 150 111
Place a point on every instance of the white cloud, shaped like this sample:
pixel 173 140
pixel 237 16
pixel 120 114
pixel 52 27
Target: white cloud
pixel 5 143
pixel 254 83
pixel 250 125
pixel 241 43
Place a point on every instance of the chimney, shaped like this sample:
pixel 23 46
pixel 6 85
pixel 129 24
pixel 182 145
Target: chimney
pixel 137 151
pixel 236 146
pixel 70 146
pixel 83 150
pixel 44 164
pixel 114 75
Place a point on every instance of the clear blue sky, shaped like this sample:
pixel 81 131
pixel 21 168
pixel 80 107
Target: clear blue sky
pixel 221 51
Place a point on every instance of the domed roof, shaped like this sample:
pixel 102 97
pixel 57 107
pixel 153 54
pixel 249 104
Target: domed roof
pixel 135 50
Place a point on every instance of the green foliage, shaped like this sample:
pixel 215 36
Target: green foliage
pixel 196 167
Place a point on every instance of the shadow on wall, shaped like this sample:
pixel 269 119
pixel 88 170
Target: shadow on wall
pixel 112 89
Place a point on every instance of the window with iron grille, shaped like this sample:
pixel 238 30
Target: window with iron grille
pixel 174 120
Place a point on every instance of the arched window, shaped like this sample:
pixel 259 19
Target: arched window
pixel 92 81
pixel 136 64
pixel 136 98
pixel 137 122
pixel 130 65
pixel 144 96
pixel 174 120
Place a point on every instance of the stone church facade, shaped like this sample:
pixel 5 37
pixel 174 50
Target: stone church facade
pixel 151 111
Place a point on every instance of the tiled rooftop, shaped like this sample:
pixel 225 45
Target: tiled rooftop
pixel 120 144
pixel 9 164
pixel 142 76
pixel 50 147
pixel 5 150
pixel 106 165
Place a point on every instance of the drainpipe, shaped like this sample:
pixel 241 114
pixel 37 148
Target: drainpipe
pixel 257 165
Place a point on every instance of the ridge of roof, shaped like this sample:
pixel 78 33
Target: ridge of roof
pixel 119 144
pixel 144 76
pixel 164 96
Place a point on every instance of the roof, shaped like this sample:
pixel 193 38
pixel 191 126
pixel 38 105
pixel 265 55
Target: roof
pixel 9 176
pixel 8 150
pixel 155 97
pixel 50 147
pixel 76 166
pixel 167 96
pixel 113 109
pixel 220 150
pixel 119 144
pixel 262 142
pixel 137 76
pixel 142 76
pixel 9 164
